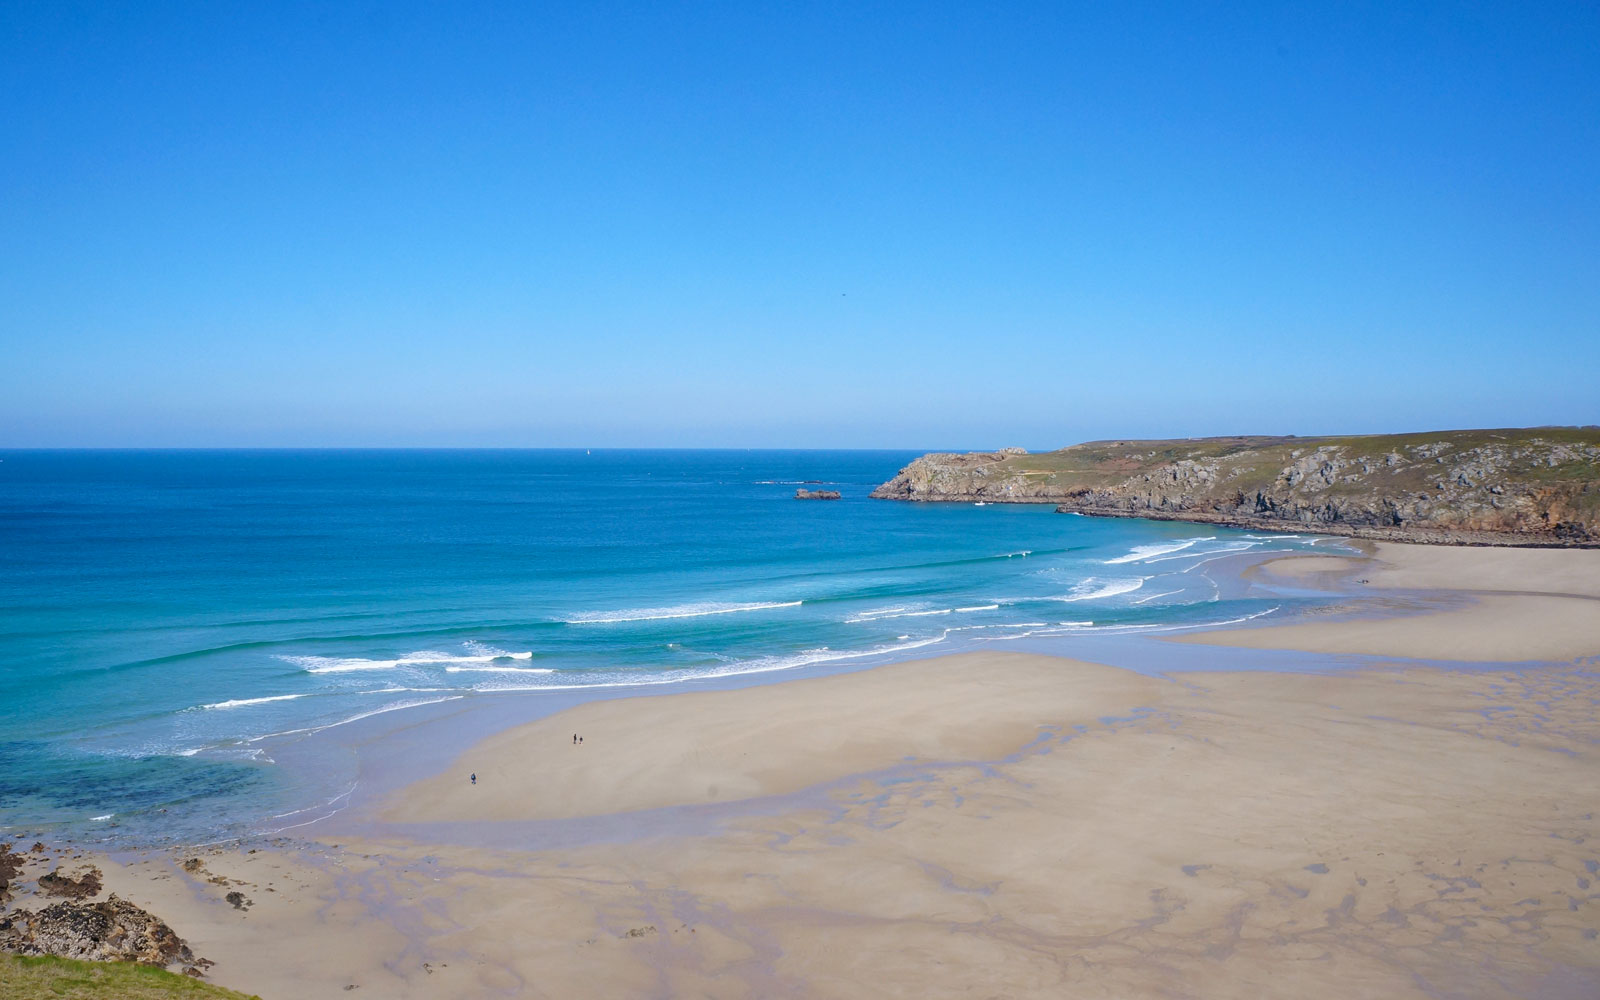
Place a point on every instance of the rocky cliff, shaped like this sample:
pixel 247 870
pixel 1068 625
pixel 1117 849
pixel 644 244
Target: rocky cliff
pixel 1536 486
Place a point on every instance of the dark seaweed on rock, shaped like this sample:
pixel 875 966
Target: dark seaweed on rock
pixel 10 866
pixel 114 929
pixel 84 886
pixel 1535 486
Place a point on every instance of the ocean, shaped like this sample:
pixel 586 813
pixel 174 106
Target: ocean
pixel 164 615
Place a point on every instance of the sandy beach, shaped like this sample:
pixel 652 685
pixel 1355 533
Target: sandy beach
pixel 1512 605
pixel 995 824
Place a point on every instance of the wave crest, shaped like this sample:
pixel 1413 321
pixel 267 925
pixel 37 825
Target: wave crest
pixel 1139 553
pixel 424 657
pixel 696 610
pixel 1094 589
pixel 242 702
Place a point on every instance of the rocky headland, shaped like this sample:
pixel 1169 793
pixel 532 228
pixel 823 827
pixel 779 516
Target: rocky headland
pixel 1532 486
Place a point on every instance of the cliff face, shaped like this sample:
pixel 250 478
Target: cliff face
pixel 1538 486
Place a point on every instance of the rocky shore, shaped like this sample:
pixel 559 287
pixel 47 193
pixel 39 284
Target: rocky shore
pixel 1535 486
pixel 79 926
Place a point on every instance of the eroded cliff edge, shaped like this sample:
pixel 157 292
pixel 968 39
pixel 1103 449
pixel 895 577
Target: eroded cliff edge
pixel 1534 486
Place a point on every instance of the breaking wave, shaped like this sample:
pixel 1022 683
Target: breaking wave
pixel 1140 553
pixel 1094 589
pixel 676 611
pixel 242 702
pixel 478 653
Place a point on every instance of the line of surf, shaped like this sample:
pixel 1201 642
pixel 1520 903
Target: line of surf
pixel 1094 589
pixel 1141 553
pixel 426 657
pixel 675 611
pixel 244 702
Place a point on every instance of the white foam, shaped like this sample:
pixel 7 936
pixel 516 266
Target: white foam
pixel 880 613
pixel 979 628
pixel 1072 627
pixel 1094 589
pixel 1152 597
pixel 871 617
pixel 980 607
pixel 402 690
pixel 101 819
pixel 1140 553
pixel 241 702
pixel 423 657
pixel 498 670
pixel 355 718
pixel 1208 555
pixel 760 665
pixel 296 812
pixel 677 611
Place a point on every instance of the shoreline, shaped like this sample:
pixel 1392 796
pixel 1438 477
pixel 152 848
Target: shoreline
pixel 380 751
pixel 1445 537
pixel 1452 537
pixel 1507 620
pixel 994 819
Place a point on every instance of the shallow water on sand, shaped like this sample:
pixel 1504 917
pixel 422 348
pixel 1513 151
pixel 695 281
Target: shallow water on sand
pixel 164 614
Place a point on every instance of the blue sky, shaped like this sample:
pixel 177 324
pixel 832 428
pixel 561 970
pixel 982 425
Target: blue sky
pixel 802 225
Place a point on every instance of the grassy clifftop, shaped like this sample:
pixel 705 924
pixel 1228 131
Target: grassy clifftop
pixel 1527 486
pixel 49 978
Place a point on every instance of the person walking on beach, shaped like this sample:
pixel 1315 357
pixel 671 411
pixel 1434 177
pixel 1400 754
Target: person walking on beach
pixel 474 777
pixel 574 739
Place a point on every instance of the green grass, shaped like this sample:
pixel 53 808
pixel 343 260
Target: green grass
pixel 1246 464
pixel 28 978
pixel 1258 459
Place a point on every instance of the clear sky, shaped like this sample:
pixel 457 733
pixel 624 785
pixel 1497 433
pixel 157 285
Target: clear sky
pixel 793 225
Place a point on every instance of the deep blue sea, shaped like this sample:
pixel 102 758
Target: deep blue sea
pixel 163 612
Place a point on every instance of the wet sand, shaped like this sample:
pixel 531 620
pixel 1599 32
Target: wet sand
pixel 1516 604
pixel 982 825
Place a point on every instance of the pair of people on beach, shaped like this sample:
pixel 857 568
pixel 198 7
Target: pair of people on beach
pixel 576 741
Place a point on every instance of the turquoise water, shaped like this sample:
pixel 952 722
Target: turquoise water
pixel 161 613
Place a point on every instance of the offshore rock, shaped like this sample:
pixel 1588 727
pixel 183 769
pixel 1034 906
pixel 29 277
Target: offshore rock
pixel 1536 486
pixel 114 929
pixel 805 494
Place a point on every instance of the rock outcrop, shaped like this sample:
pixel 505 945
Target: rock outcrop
pixel 805 494
pixel 11 865
pixel 1538 486
pixel 113 929
pixel 86 885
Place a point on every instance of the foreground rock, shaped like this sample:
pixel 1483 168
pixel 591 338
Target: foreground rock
pixel 805 494
pixel 113 929
pixel 1538 486
pixel 11 865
